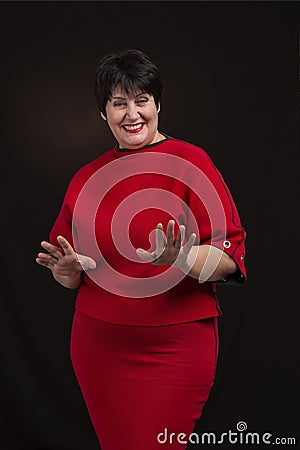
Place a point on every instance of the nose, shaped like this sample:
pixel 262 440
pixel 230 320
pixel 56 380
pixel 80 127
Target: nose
pixel 132 112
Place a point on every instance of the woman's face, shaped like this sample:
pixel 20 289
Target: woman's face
pixel 132 118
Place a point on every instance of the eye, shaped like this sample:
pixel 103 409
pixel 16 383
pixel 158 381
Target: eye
pixel 142 101
pixel 119 105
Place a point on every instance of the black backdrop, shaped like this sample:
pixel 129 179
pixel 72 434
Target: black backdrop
pixel 230 72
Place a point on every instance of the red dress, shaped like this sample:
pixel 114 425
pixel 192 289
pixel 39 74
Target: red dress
pixel 144 338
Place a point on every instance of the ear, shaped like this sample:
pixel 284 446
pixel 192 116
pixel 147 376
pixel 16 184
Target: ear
pixel 102 116
pixel 158 108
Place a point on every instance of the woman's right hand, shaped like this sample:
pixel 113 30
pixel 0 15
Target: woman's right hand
pixel 66 266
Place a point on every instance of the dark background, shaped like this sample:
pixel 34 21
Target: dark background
pixel 230 72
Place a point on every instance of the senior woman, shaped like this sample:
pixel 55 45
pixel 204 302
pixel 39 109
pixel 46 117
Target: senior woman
pixel 144 338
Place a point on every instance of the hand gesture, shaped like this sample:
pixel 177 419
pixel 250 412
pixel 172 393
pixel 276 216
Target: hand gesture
pixel 169 251
pixel 64 264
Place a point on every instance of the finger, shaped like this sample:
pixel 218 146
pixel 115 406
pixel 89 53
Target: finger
pixel 45 263
pixel 191 241
pixel 170 233
pixel 146 256
pixel 55 251
pixel 160 239
pixel 47 257
pixel 68 249
pixel 180 237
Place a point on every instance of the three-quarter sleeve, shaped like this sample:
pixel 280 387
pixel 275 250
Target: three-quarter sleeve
pixel 63 223
pixel 212 206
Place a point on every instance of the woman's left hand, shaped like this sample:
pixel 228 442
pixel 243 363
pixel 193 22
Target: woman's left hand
pixel 169 251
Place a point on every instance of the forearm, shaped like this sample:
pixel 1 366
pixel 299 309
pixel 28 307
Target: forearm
pixel 69 281
pixel 208 263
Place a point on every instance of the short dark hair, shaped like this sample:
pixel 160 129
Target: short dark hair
pixel 132 70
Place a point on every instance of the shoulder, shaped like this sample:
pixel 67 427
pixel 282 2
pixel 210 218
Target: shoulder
pixel 86 171
pixel 188 151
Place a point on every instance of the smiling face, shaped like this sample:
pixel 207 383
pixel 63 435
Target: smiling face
pixel 133 119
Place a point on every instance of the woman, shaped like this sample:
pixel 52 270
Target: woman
pixel 144 338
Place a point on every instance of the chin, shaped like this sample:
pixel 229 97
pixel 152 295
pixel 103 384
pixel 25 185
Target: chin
pixel 135 140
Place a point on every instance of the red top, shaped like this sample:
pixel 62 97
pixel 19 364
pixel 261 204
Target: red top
pixel 112 206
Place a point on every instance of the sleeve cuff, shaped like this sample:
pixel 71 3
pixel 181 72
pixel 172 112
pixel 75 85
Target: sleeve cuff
pixel 237 278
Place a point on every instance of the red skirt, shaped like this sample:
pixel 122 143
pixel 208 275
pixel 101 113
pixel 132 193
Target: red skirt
pixel 142 383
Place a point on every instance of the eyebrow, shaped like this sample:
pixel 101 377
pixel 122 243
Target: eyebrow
pixel 123 98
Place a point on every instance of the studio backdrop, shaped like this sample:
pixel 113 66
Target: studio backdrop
pixel 230 75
